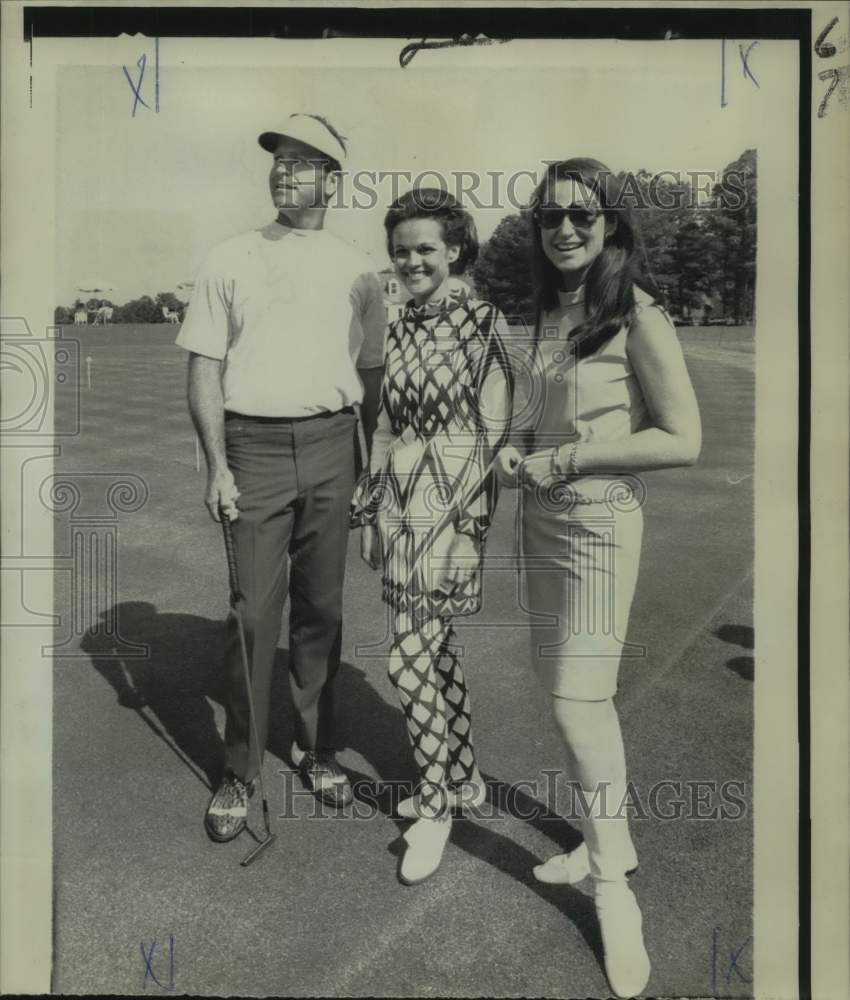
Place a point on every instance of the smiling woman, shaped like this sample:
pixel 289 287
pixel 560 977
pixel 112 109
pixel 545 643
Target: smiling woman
pixel 426 504
pixel 616 400
pixel 584 237
pixel 429 238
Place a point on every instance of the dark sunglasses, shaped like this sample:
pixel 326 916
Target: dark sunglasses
pixel 551 216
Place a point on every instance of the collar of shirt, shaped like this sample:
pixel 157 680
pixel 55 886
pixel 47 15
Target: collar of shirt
pixel 279 229
pixel 433 307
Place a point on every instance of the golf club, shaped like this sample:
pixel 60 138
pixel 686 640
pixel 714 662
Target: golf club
pixel 236 600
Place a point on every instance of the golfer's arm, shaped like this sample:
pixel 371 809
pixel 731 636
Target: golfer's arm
pixel 206 405
pixel 372 318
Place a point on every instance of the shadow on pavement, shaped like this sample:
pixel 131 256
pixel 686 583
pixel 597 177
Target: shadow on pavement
pixel 744 636
pixel 738 635
pixel 172 691
pixel 743 666
pixel 516 861
pixel 168 689
pixel 172 688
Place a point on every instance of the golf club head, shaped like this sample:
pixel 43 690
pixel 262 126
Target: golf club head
pixel 270 839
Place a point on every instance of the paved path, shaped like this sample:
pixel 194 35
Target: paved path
pixel 322 912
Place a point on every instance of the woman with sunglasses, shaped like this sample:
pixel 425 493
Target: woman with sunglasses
pixel 607 397
pixel 426 503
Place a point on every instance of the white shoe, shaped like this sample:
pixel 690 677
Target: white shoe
pixel 627 964
pixel 564 869
pixel 470 795
pixel 426 841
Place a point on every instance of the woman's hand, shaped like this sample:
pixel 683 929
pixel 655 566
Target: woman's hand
pixel 370 546
pixel 508 462
pixel 463 559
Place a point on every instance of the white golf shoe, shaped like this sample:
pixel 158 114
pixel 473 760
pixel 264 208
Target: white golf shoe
pixel 627 964
pixel 564 869
pixel 426 840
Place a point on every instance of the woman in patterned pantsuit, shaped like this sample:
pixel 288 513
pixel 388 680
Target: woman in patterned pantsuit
pixel 426 504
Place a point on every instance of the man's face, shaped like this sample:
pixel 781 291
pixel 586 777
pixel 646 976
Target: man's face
pixel 299 177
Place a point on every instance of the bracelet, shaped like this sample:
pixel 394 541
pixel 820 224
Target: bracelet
pixel 555 462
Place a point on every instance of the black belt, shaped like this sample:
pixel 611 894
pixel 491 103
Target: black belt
pixel 233 415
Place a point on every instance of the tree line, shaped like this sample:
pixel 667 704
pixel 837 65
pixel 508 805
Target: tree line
pixel 699 253
pixel 143 310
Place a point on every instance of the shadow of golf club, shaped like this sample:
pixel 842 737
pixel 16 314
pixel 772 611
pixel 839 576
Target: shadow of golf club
pixel 511 859
pixel 173 691
pixel 168 689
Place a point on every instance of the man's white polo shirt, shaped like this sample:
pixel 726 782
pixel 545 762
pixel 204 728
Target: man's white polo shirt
pixel 293 313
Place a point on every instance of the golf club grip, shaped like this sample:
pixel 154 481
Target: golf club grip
pixel 230 552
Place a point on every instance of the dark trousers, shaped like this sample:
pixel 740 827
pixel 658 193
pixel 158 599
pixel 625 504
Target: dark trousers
pixel 295 480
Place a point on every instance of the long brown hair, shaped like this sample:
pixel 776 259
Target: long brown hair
pixel 610 280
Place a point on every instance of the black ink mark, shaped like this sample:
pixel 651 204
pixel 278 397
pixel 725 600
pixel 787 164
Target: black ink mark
pixel 147 958
pixel 409 51
pixel 824 49
pixel 745 66
pixel 723 101
pixel 836 75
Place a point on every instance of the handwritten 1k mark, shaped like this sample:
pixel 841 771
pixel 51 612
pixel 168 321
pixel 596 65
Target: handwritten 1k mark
pixel 745 67
pixel 732 967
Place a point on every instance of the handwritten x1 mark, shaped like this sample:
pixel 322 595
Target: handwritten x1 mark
pixel 147 958
pixel 136 88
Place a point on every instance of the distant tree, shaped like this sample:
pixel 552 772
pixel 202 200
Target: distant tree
pixel 668 238
pixel 502 273
pixel 143 310
pixel 63 316
pixel 735 223
pixel 694 253
pixel 170 301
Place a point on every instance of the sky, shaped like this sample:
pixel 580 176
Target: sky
pixel 142 198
